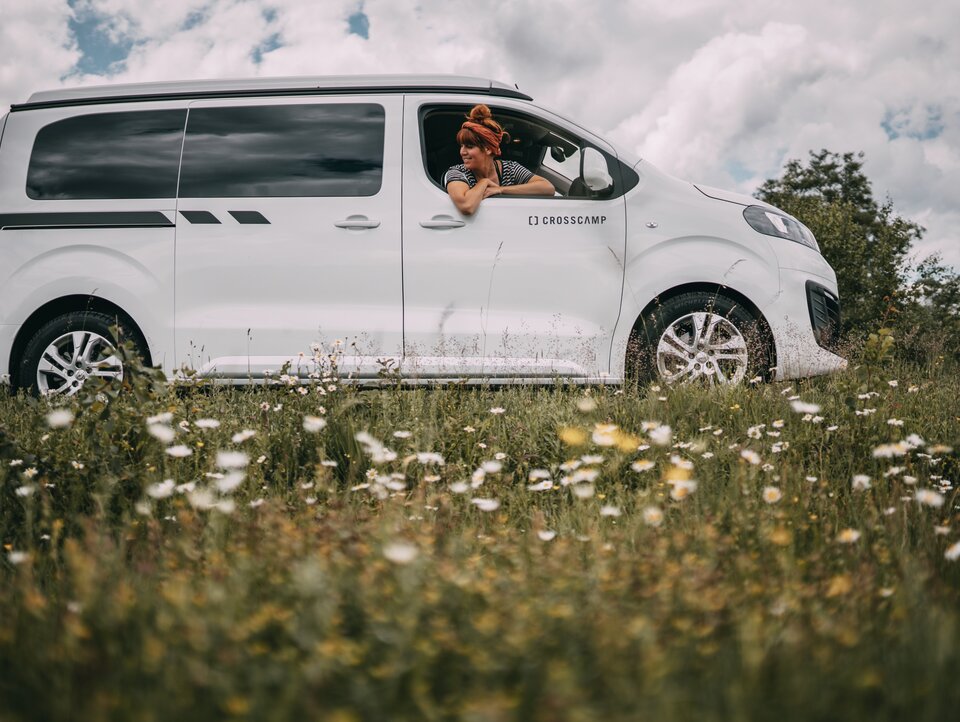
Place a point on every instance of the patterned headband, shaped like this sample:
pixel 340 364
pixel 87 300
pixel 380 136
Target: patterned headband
pixel 490 138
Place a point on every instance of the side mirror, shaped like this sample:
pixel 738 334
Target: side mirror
pixel 593 170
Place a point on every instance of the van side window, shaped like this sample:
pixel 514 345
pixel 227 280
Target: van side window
pixel 132 154
pixel 321 149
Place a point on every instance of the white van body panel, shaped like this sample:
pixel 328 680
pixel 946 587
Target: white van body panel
pixel 133 271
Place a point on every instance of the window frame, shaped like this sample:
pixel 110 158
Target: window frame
pixel 623 184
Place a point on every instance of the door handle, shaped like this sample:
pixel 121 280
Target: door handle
pixel 357 223
pixel 440 222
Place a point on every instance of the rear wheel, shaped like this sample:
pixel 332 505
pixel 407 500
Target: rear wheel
pixel 69 350
pixel 699 337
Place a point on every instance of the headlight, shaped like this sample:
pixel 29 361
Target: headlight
pixel 775 224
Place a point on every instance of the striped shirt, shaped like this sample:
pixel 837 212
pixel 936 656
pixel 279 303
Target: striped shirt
pixel 513 174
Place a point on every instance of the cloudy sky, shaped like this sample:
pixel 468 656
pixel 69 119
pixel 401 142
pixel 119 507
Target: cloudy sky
pixel 709 90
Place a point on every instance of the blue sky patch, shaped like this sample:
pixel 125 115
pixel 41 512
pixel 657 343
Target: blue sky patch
pixel 99 52
pixel 271 43
pixel 738 171
pixel 359 23
pixel 912 122
pixel 194 18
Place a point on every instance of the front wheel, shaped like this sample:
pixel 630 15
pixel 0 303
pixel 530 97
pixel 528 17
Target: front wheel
pixel 73 348
pixel 699 337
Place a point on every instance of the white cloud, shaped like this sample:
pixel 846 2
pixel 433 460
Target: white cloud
pixel 725 96
pixel 36 48
pixel 708 90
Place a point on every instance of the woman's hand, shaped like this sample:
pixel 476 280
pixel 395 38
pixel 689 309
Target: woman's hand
pixel 536 186
pixel 491 188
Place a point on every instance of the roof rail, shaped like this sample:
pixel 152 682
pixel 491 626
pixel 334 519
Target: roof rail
pixel 260 87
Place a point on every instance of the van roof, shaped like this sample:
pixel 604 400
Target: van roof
pixel 319 85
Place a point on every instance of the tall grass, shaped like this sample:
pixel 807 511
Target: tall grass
pixel 753 561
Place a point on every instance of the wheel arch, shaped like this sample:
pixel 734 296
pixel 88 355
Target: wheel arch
pixel 637 331
pixel 66 304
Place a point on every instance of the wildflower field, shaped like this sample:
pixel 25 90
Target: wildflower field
pixel 777 551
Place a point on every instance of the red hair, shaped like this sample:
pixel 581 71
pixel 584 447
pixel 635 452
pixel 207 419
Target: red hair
pixel 481 130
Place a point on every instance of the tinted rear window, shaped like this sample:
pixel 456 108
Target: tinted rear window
pixel 131 154
pixel 283 150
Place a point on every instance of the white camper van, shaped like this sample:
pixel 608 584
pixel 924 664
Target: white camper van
pixel 226 227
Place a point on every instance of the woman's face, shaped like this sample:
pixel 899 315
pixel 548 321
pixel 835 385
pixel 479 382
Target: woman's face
pixel 474 157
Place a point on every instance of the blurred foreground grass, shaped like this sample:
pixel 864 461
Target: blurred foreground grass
pixel 781 552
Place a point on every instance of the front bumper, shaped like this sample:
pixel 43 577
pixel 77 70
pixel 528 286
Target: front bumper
pixel 804 319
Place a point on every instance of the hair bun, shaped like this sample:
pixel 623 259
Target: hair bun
pixel 479 113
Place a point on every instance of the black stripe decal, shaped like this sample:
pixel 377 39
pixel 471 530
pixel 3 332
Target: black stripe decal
pixel 199 216
pixel 106 219
pixel 249 217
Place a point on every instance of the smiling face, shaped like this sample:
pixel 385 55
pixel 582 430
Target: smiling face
pixel 475 157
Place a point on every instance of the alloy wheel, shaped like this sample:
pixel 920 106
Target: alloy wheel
pixel 74 357
pixel 702 346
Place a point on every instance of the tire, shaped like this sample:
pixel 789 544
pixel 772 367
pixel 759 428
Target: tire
pixel 71 348
pixel 699 337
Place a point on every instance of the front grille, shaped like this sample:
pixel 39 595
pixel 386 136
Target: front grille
pixel 824 316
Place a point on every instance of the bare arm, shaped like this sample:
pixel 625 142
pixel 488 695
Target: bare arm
pixel 468 199
pixel 465 198
pixel 536 186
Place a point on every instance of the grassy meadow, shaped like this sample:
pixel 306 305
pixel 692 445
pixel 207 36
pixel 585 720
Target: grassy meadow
pixel 783 551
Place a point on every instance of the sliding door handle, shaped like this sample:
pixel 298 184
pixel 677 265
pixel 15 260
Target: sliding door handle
pixel 439 222
pixel 357 223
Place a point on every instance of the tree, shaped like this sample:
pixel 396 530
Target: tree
pixel 866 243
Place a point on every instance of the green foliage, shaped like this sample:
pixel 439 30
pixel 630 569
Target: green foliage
pixel 876 352
pixel 377 589
pixel 930 316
